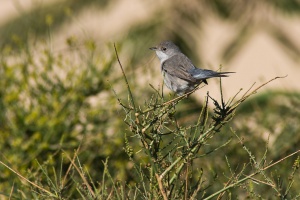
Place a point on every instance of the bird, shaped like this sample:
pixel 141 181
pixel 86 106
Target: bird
pixel 180 74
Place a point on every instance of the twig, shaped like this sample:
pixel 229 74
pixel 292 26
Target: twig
pixel 250 176
pixel 244 97
pixel 177 99
pixel 124 75
pixel 11 191
pixel 254 91
pixel 81 175
pixel 263 182
pixel 186 181
pixel 22 177
pixel 161 188
pixel 70 166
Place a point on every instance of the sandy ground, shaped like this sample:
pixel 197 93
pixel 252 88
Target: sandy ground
pixel 261 58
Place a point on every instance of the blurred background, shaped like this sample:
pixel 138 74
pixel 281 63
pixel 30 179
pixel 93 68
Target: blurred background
pixel 59 68
pixel 258 39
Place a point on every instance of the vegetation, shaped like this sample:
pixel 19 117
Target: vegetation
pixel 78 124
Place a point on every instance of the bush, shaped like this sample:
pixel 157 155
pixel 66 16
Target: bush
pixel 67 135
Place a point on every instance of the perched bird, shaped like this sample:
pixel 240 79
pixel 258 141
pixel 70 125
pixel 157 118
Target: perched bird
pixel 180 75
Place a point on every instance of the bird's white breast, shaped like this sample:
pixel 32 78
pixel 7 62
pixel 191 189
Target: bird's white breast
pixel 162 56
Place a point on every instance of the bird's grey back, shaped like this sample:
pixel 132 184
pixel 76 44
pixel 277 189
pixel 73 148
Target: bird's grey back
pixel 179 66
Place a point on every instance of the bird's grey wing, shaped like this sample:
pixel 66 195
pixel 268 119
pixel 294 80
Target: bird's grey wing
pixel 179 66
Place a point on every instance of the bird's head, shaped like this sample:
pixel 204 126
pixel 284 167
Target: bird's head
pixel 165 50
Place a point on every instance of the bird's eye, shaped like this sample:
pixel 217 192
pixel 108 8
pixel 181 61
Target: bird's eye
pixel 164 48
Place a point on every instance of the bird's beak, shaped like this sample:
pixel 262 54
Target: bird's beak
pixel 153 48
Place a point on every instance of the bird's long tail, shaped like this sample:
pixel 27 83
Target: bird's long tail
pixel 201 74
pixel 220 74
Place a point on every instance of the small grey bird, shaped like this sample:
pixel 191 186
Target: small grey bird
pixel 180 75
